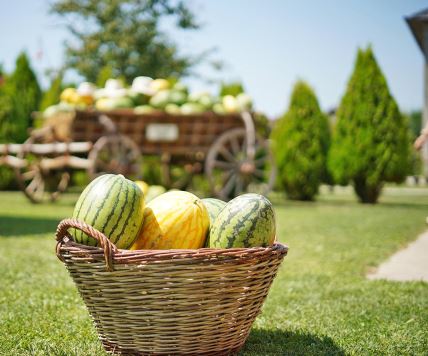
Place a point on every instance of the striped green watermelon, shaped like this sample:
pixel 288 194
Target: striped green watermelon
pixel 246 221
pixel 214 207
pixel 113 205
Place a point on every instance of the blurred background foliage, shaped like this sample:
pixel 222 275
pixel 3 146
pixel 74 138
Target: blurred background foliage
pixel 51 95
pixel 124 38
pixel 369 137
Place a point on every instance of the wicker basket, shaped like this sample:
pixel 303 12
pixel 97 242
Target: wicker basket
pixel 163 302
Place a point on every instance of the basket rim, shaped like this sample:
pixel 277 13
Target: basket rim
pixel 113 255
pixel 202 252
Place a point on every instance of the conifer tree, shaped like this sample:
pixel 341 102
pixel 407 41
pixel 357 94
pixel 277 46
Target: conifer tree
pixel 371 142
pixel 301 139
pixel 20 97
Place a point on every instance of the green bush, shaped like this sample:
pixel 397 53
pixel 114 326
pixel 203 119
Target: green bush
pixel 6 173
pixel 371 141
pixel 5 111
pixel 19 97
pixel 301 139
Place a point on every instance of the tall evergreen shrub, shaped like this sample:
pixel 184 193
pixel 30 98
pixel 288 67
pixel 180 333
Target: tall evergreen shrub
pixel 301 139
pixel 371 142
pixel 19 98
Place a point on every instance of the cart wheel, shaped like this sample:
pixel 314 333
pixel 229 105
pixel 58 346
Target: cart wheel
pixel 114 154
pixel 231 172
pixel 39 185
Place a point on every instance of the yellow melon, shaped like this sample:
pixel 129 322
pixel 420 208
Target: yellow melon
pixel 173 220
pixel 67 95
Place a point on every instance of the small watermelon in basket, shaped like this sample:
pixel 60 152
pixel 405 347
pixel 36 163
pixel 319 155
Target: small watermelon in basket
pixel 246 221
pixel 113 205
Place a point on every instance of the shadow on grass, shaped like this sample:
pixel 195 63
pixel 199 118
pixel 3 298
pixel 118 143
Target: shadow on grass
pixel 23 225
pixel 278 342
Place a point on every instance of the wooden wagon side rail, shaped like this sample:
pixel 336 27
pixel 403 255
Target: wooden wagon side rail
pixel 8 154
pixel 42 166
pixel 46 148
pixel 64 162
pixel 12 161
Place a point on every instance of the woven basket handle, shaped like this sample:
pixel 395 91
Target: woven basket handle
pixel 62 231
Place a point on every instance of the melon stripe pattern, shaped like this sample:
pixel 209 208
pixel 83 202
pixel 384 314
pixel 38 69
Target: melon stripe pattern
pixel 113 205
pixel 125 224
pixel 114 211
pixel 246 221
pixel 112 192
pixel 87 205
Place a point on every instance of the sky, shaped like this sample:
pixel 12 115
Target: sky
pixel 268 45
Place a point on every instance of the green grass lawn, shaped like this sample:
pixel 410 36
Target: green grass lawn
pixel 320 302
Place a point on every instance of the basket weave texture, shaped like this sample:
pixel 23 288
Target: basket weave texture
pixel 169 302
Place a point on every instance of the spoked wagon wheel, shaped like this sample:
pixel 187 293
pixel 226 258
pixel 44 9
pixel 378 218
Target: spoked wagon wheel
pixel 231 171
pixel 38 183
pixel 114 154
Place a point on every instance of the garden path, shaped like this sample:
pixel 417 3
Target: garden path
pixel 409 264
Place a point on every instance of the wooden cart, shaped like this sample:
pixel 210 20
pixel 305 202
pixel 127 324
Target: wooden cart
pixel 226 147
